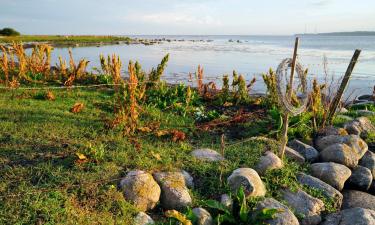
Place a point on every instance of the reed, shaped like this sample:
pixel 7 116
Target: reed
pixel 200 75
pixel 4 65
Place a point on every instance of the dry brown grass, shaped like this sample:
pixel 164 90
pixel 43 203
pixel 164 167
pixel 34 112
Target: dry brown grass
pixel 200 79
pixel 4 65
pixel 75 71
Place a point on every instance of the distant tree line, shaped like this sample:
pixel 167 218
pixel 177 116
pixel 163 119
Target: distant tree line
pixel 9 32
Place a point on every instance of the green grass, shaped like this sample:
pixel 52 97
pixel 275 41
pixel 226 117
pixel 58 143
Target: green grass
pixel 42 181
pixel 62 39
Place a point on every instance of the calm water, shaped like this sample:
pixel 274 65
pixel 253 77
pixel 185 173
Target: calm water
pixel 251 56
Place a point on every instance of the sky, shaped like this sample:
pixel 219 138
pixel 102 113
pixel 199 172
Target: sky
pixel 196 17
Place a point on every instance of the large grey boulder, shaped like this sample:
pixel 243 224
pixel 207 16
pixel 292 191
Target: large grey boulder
pixel 249 180
pixel 294 155
pixel 332 173
pixel 174 193
pixel 203 216
pixel 361 199
pixel 353 216
pixel 306 205
pixel 283 217
pixel 361 178
pixel 361 126
pixel 339 153
pixel 307 151
pixel 207 155
pixel 327 189
pixel 140 189
pixel 368 161
pixel 356 143
pixel 269 161
pixel 143 219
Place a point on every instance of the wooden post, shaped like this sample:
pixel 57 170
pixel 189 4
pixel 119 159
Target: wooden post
pixel 344 83
pixel 284 138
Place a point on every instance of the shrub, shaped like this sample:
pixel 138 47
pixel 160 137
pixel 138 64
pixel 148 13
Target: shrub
pixel 9 32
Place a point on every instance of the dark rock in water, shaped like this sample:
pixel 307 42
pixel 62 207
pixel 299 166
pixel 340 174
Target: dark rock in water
pixel 366 97
pixel 283 217
pixel 360 179
pixel 361 199
pixel 333 174
pixel 307 151
pixel 327 189
pixel 303 203
pixel 354 216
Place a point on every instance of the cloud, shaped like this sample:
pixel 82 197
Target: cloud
pixel 321 3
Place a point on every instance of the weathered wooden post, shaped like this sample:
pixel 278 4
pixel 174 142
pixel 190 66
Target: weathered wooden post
pixel 344 83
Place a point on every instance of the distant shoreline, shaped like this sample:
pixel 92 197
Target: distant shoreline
pixel 354 33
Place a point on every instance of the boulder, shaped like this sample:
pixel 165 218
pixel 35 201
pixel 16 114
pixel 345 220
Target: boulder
pixel 327 189
pixel 365 113
pixel 360 179
pixel 283 217
pixel 140 189
pixel 360 126
pixel 269 161
pixel 189 180
pixel 340 153
pixel 203 216
pixel 294 155
pixel 307 151
pixel 356 143
pixel 361 199
pixel 332 173
pixel 207 155
pixel 249 180
pixel 143 219
pixel 305 205
pixel 368 161
pixel 174 193
pixel 353 216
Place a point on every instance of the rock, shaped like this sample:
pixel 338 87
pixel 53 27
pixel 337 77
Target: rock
pixel 307 151
pixel 174 193
pixel 203 216
pixel 189 180
pixel 361 178
pixel 354 216
pixel 332 173
pixel 327 189
pixel 306 205
pixel 249 180
pixel 343 110
pixel 226 200
pixel 331 130
pixel 361 126
pixel 365 113
pixel 140 189
pixel 207 154
pixel 143 219
pixel 283 217
pixel 340 153
pixel 344 118
pixel 294 155
pixel 368 161
pixel 269 161
pixel 361 199
pixel 366 97
pixel 359 146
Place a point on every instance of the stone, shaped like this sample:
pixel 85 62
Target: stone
pixel 365 113
pixel 294 155
pixel 226 200
pixel 361 126
pixel 269 161
pixel 340 153
pixel 248 179
pixel 344 118
pixel 189 180
pixel 368 161
pixel 361 199
pixel 140 189
pixel 174 193
pixel 283 217
pixel 361 178
pixel 307 151
pixel 343 110
pixel 353 216
pixel 143 219
pixel 330 130
pixel 332 173
pixel 207 155
pixel 327 189
pixel 203 216
pixel 306 205
pixel 356 143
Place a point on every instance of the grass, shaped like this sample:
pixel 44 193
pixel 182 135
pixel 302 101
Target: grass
pixel 64 39
pixel 43 181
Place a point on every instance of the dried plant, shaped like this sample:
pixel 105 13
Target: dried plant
pixel 75 71
pixel 77 107
pixel 4 66
pixel 40 59
pixel 200 75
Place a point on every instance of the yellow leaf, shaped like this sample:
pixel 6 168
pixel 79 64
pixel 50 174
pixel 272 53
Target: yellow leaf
pixel 178 216
pixel 160 133
pixel 81 156
pixel 156 155
pixel 144 129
